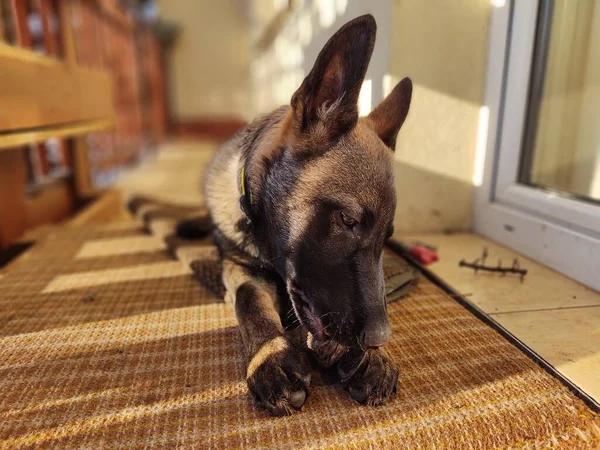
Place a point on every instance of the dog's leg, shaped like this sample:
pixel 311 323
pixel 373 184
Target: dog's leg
pixel 278 374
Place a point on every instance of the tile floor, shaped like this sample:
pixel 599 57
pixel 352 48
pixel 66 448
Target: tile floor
pixel 555 316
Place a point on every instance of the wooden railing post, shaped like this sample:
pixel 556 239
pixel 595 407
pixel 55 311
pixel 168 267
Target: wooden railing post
pixel 13 210
pixel 19 17
pixel 2 6
pixel 49 39
pixel 67 39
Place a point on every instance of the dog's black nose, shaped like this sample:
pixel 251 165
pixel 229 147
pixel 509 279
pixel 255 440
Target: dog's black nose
pixel 376 333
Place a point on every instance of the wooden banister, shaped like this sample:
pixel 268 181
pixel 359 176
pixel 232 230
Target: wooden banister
pixel 38 92
pixel 45 10
pixel 81 86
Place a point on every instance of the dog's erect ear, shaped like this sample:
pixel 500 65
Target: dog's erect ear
pixel 330 91
pixel 389 116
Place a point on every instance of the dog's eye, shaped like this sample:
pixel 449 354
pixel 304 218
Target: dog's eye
pixel 348 221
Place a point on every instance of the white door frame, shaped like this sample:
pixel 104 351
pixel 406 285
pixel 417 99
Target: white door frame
pixel 559 232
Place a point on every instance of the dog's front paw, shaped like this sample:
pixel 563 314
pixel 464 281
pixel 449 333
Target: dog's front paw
pixel 369 376
pixel 278 377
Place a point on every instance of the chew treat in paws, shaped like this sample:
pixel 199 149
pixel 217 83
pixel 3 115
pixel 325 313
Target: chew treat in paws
pixel 327 351
pixel 309 339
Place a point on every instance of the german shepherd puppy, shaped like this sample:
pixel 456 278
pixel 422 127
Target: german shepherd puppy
pixel 302 201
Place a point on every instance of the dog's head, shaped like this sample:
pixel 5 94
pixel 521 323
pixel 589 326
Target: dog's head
pixel 328 193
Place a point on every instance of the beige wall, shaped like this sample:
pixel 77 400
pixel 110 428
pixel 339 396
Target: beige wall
pixel 442 46
pixel 209 67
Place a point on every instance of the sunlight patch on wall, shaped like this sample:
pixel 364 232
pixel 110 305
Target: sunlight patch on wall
pixel 498 3
pixel 596 183
pixel 340 7
pixel 389 82
pixel 305 28
pixel 365 98
pixel 326 9
pixel 280 5
pixel 481 145
pixel 440 134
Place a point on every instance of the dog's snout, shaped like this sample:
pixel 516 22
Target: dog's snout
pixel 376 332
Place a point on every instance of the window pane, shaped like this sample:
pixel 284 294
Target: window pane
pixel 562 139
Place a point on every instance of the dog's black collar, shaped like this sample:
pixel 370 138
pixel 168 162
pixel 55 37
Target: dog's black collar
pixel 246 194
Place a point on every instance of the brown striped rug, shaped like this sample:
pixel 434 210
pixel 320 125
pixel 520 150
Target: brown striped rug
pixel 107 342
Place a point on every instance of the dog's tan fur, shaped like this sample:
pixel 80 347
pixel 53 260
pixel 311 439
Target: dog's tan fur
pixel 268 349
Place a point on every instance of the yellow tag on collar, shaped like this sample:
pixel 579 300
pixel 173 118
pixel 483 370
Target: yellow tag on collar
pixel 243 184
